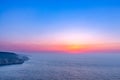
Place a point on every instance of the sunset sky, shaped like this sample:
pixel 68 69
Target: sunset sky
pixel 59 25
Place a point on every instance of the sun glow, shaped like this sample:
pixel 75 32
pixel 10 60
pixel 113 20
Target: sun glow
pixel 75 38
pixel 72 41
pixel 74 47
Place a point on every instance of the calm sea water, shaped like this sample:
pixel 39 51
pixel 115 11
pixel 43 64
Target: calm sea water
pixel 65 67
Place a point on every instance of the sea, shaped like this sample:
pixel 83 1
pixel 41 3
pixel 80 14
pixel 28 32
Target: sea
pixel 64 66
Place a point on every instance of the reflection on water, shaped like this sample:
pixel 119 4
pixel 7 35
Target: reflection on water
pixel 65 67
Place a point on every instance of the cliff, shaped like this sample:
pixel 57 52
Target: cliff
pixel 8 58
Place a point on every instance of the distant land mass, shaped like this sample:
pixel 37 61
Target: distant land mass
pixel 9 58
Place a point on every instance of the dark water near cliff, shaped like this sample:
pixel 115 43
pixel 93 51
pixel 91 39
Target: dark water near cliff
pixel 65 67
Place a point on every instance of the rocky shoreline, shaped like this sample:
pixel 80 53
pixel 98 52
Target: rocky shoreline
pixel 9 58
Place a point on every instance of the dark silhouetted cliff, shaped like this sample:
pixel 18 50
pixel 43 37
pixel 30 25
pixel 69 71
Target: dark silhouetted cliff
pixel 8 58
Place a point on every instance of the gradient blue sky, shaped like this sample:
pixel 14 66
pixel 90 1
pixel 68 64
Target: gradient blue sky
pixel 40 20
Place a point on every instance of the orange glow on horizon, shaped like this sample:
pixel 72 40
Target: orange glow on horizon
pixel 72 48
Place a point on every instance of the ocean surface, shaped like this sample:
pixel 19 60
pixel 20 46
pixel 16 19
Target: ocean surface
pixel 97 66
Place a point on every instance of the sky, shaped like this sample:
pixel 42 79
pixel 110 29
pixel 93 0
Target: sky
pixel 59 25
